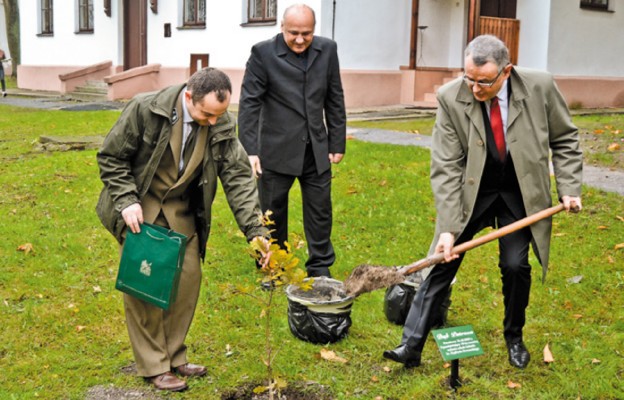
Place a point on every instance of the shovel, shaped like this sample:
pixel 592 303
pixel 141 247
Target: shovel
pixel 366 278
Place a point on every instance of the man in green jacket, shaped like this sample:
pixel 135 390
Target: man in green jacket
pixel 160 164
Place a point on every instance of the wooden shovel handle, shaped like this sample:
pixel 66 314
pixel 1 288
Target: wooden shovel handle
pixel 471 244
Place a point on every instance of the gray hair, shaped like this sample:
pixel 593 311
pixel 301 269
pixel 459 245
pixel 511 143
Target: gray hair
pixel 298 8
pixel 487 48
pixel 208 80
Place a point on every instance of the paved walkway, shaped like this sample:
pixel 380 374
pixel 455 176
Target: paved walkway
pixel 601 178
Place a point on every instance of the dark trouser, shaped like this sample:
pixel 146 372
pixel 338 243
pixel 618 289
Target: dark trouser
pixel 317 211
pixel 515 275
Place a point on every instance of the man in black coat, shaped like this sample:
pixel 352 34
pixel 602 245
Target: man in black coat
pixel 292 123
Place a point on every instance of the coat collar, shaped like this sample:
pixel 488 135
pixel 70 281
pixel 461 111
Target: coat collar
pixel 284 52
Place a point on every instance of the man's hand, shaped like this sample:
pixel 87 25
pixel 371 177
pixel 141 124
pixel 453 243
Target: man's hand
pixel 133 217
pixel 335 158
pixel 445 245
pixel 255 166
pixel 264 245
pixel 572 204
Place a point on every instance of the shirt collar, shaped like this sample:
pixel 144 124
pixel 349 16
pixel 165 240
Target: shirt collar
pixel 186 117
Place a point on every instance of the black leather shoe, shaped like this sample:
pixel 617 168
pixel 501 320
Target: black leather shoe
pixel 404 355
pixel 519 356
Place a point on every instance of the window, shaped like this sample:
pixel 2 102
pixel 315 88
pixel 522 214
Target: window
pixel 195 13
pixel 596 4
pixel 46 22
pixel 85 15
pixel 262 10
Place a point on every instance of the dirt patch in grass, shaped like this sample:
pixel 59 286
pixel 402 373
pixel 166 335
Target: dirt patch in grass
pixel 295 391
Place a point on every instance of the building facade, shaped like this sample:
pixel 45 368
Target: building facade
pixel 391 51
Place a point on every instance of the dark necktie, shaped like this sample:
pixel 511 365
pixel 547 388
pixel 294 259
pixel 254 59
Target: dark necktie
pixel 496 121
pixel 189 146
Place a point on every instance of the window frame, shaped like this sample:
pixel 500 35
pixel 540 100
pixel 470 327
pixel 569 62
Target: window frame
pixel 196 22
pixel 85 6
pixel 265 6
pixel 595 4
pixel 46 17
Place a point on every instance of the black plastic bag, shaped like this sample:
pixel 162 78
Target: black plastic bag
pixel 317 328
pixel 397 302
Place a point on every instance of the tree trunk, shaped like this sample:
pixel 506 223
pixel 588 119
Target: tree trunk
pixel 11 14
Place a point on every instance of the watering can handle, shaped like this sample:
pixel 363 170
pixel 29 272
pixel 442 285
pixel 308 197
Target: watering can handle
pixel 471 244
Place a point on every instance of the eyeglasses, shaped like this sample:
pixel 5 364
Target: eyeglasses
pixel 471 82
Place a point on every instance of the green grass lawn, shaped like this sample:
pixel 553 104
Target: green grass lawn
pixel 62 324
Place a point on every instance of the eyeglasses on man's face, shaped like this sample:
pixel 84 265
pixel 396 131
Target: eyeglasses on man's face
pixel 483 84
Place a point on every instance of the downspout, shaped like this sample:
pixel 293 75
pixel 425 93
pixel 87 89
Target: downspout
pixel 413 35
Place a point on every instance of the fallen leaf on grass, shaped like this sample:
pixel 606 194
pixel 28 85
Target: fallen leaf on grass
pixel 602 227
pixel 26 248
pixel 575 279
pixel 80 328
pixel 610 260
pixel 620 218
pixel 613 147
pixel 387 369
pixel 513 385
pixel 598 131
pixel 577 316
pixel 446 365
pixel 548 357
pixel 97 289
pixel 331 356
pixel 596 361
pixel 619 246
pixel 374 379
pixel 350 137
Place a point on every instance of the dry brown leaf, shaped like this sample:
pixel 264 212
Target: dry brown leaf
pixel 446 365
pixel 374 379
pixel 387 369
pixel 97 289
pixel 26 248
pixel 602 227
pixel 513 385
pixel 598 131
pixel 331 356
pixel 610 260
pixel 613 147
pixel 567 305
pixel 619 246
pixel 617 132
pixel 577 316
pixel 548 357
pixel 80 328
pixel 596 361
pixel 383 183
pixel 620 218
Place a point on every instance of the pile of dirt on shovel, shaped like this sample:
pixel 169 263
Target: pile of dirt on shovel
pixel 367 278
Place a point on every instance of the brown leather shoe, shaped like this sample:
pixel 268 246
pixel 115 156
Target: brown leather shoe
pixel 189 369
pixel 168 381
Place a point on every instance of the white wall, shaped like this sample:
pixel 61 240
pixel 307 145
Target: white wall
pixel 370 34
pixel 66 47
pixel 586 42
pixel 534 16
pixel 444 38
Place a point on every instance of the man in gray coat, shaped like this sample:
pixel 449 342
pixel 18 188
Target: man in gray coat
pixel 490 167
pixel 160 164
pixel 292 123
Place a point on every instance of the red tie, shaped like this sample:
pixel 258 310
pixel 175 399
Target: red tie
pixel 496 121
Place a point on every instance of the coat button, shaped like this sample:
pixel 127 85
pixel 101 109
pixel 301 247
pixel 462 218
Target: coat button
pixel 471 181
pixel 304 139
pixel 480 142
